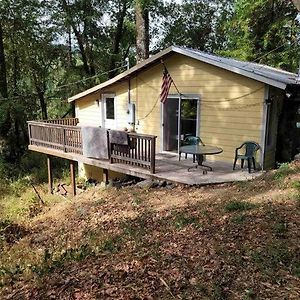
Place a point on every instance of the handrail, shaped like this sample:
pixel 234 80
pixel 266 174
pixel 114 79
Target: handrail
pixel 140 150
pixel 65 121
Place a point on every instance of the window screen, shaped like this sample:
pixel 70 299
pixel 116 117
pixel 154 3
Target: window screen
pixel 110 108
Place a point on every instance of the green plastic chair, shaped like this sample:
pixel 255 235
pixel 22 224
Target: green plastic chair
pixel 249 154
pixel 191 140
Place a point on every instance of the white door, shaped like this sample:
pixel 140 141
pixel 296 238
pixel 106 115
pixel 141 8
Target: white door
pixel 109 111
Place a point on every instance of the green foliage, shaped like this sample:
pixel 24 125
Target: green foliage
pixel 259 27
pixel 239 219
pixel 181 220
pixel 236 205
pixel 275 255
pixel 202 29
pixel 283 171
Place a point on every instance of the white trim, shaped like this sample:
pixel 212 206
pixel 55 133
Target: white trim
pixel 179 97
pixel 105 120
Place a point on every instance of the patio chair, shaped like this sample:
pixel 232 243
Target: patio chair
pixel 191 140
pixel 249 154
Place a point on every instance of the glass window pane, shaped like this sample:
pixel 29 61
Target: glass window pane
pixel 110 108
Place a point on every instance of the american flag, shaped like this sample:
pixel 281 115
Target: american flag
pixel 165 87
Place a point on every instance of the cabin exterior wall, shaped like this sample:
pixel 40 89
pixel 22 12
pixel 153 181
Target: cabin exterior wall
pixel 231 105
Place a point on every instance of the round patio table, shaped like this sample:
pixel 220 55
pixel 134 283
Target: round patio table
pixel 200 151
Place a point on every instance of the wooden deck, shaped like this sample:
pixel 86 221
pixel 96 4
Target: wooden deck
pixel 62 138
pixel 168 168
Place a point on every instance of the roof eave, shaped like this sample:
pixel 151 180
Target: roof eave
pixel 248 74
pixel 123 75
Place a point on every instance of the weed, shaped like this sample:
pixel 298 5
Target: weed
pixel 136 228
pixel 112 244
pixel 283 171
pixel 249 295
pixel 182 220
pixel 236 205
pixel 280 228
pixel 137 200
pixel 218 292
pixel 239 219
pixel 202 289
pixel 295 184
pixel 272 257
pixel 296 268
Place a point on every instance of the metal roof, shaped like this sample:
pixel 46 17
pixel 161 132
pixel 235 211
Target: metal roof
pixel 272 76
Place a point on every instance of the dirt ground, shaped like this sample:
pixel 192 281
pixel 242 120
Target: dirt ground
pixel 232 241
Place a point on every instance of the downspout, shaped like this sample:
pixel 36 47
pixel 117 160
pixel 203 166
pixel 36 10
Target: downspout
pixel 264 127
pixel 129 80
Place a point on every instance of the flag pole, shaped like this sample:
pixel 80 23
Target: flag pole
pixel 179 111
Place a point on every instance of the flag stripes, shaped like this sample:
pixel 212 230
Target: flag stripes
pixel 165 87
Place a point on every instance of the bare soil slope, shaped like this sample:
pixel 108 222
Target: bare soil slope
pixel 237 241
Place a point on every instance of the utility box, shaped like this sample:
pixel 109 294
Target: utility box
pixel 131 114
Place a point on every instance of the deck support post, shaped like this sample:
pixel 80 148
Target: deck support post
pixel 50 176
pixel 105 176
pixel 153 146
pixel 72 173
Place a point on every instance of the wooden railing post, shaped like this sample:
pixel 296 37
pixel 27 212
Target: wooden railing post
pixel 152 166
pixel 72 174
pixel 64 139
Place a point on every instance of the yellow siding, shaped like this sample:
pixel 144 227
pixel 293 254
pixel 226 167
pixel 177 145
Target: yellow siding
pixel 88 111
pixel 231 105
pixel 222 123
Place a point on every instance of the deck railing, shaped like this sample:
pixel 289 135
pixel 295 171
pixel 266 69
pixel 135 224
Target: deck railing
pixel 66 121
pixel 57 137
pixel 140 151
pixel 61 136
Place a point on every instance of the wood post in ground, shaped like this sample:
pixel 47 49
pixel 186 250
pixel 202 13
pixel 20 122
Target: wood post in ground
pixel 72 173
pixel 50 177
pixel 105 176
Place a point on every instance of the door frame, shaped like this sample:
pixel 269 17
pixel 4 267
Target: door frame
pixel 179 97
pixel 114 121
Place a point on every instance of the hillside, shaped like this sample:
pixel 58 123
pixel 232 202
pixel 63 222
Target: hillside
pixel 234 241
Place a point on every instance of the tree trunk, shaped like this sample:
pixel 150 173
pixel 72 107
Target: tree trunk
pixel 142 31
pixel 41 94
pixel 78 36
pixel 3 80
pixel 118 38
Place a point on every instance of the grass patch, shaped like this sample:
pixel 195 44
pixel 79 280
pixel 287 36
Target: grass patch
pixel 283 171
pixel 273 256
pixel 112 244
pixel 135 228
pixel 239 219
pixel 236 205
pixel 182 220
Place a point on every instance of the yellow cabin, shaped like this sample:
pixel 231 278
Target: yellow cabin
pixel 224 101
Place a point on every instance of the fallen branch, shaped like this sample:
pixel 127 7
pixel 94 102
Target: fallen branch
pixel 37 193
pixel 168 288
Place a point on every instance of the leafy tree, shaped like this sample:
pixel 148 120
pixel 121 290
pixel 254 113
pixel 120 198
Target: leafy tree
pixel 194 23
pixel 264 31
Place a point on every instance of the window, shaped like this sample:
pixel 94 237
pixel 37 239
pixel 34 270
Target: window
pixel 110 108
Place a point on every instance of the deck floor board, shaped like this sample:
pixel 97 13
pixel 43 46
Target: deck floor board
pixel 168 168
